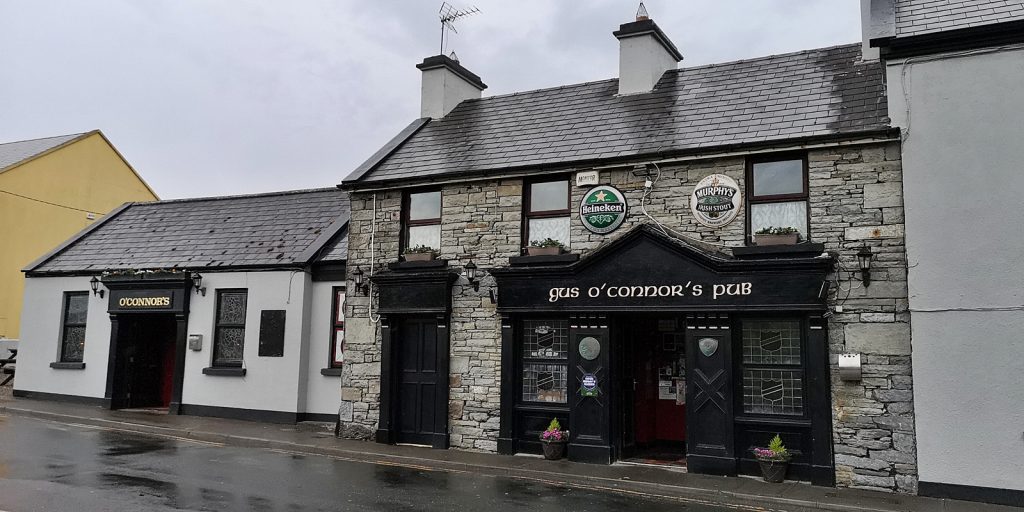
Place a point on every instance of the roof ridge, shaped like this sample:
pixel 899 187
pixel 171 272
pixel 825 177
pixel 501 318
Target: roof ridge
pixel 679 70
pixel 45 138
pixel 237 196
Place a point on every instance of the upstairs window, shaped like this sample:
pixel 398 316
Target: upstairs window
pixel 421 220
pixel 777 194
pixel 72 339
pixel 229 335
pixel 546 212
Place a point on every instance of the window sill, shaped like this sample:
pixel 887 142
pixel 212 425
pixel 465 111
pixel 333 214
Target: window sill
pixel 67 366
pixel 224 372
pixel 760 251
pixel 553 259
pixel 331 372
pixel 403 265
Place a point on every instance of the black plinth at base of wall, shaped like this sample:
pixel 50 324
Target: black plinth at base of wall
pixel 57 397
pixel 383 436
pixel 590 454
pixel 506 446
pixel 724 466
pixel 1011 497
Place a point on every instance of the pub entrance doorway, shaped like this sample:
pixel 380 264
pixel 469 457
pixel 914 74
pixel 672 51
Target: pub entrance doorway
pixel 144 361
pixel 653 426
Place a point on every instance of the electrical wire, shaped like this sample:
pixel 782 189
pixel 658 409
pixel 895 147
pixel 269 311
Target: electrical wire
pixel 373 236
pixel 49 203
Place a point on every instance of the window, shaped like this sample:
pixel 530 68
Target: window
pixel 546 212
pixel 72 338
pixel 422 220
pixel 337 327
pixel 773 367
pixel 545 360
pixel 229 333
pixel 777 194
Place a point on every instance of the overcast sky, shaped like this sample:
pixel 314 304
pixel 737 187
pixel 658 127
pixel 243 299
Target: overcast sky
pixel 208 97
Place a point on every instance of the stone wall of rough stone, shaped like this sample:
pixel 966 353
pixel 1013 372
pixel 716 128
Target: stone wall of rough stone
pixel 855 199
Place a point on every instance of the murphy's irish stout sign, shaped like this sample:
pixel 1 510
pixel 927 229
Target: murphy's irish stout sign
pixel 603 209
pixel 716 200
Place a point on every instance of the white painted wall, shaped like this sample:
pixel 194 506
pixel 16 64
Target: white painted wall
pixel 442 90
pixel 323 392
pixel 40 340
pixel 270 383
pixel 963 168
pixel 291 383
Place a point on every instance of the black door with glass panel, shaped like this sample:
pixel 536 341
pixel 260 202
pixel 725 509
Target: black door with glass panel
pixel 417 373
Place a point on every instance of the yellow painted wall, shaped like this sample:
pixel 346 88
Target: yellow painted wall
pixel 87 174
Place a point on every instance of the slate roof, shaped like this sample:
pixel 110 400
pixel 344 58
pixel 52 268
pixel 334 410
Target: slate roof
pixel 917 17
pixel 336 250
pixel 13 153
pixel 263 230
pixel 822 92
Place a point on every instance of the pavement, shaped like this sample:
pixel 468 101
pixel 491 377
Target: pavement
pixel 648 481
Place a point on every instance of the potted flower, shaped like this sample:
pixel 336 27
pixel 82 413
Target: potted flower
pixel 420 253
pixel 553 440
pixel 773 460
pixel 546 247
pixel 777 236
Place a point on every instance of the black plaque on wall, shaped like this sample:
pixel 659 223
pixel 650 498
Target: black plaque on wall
pixel 272 333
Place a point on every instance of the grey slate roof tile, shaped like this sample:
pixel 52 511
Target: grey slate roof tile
pixel 12 153
pixel 748 101
pixel 261 230
pixel 917 17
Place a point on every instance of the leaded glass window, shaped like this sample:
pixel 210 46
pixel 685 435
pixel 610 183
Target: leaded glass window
pixel 229 333
pixel 772 367
pixel 545 346
pixel 72 342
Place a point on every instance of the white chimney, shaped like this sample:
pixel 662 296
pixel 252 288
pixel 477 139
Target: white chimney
pixel 867 52
pixel 446 84
pixel 645 54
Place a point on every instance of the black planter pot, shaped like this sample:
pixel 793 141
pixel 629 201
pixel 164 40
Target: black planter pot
pixel 773 470
pixel 553 450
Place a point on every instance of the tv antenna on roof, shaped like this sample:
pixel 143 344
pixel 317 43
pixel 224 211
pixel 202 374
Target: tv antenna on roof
pixel 449 14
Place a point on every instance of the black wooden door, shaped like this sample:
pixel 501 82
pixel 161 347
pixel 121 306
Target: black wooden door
pixel 417 365
pixel 709 418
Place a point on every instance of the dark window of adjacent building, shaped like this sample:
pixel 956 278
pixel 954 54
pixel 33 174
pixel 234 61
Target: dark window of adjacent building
pixel 337 326
pixel 772 367
pixel 72 339
pixel 229 333
pixel 545 361
pixel 546 211
pixel 777 194
pixel 421 220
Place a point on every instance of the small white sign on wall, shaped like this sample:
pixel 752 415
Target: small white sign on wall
pixel 587 178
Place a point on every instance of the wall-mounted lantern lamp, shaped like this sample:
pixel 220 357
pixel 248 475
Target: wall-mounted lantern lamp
pixel 94 283
pixel 358 277
pixel 864 261
pixel 197 283
pixel 471 275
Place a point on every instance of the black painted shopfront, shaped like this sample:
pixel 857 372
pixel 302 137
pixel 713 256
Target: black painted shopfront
pixel 148 332
pixel 654 347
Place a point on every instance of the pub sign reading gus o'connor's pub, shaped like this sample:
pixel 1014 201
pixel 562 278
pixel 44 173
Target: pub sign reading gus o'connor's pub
pixel 603 209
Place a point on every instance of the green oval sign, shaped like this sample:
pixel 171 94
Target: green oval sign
pixel 603 209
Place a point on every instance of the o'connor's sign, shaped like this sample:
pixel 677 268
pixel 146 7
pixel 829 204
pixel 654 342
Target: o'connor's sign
pixel 716 200
pixel 144 302
pixel 603 209
pixel 151 300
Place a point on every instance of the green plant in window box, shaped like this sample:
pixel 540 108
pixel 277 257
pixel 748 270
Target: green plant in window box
pixel 554 439
pixel 774 460
pixel 772 235
pixel 420 253
pixel 546 247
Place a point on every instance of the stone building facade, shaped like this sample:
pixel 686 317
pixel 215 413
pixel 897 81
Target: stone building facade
pixel 855 200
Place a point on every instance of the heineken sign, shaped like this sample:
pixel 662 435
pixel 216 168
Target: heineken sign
pixel 603 209
pixel 716 200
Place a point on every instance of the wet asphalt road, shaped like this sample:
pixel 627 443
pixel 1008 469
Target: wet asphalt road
pixel 51 466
